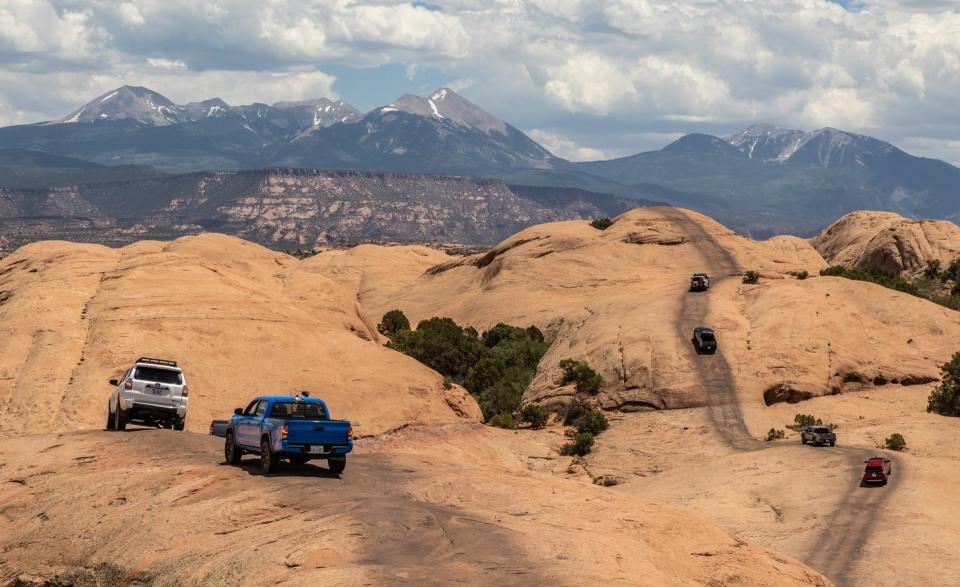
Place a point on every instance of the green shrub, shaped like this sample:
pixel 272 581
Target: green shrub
pixel 501 397
pixel 882 277
pixel 535 415
pixel 570 414
pixel 775 434
pixel 602 223
pixel 393 322
pixel 504 420
pixel 593 422
pixel 442 345
pixel 495 367
pixel 587 380
pixel 581 445
pixel 803 275
pixel 952 272
pixel 751 277
pixel 933 269
pixel 805 420
pixel 945 398
pixel 895 442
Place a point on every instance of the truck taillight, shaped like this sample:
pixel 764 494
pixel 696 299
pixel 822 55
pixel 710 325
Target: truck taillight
pixel 185 391
pixel 350 432
pixel 284 432
pixel 128 384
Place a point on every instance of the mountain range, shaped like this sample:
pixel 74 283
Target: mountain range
pixel 761 181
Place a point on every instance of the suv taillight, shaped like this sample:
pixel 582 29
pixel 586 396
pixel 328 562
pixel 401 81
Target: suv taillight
pixel 284 432
pixel 128 384
pixel 350 432
pixel 185 391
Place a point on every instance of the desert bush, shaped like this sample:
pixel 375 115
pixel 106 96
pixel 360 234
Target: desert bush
pixel 804 420
pixel 587 380
pixel 495 367
pixel 933 269
pixel 952 272
pixel 571 413
pixel 895 442
pixel 393 322
pixel 593 422
pixel 751 277
pixel 945 398
pixel 775 434
pixel 581 445
pixel 602 223
pixel 501 397
pixel 803 275
pixel 503 420
pixel 535 415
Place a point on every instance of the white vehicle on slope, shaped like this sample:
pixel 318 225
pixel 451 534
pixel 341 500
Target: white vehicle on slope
pixel 153 392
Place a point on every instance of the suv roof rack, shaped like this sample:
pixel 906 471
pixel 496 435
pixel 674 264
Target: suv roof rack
pixel 157 361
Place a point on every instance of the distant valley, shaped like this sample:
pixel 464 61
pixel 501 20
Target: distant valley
pixel 284 209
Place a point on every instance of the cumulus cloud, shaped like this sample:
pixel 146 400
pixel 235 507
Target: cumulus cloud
pixel 598 75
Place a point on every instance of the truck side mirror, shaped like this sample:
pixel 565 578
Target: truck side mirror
pixel 238 411
pixel 114 382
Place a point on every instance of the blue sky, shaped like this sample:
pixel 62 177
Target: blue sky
pixel 587 78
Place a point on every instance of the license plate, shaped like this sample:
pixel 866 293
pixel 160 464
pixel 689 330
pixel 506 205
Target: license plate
pixel 318 450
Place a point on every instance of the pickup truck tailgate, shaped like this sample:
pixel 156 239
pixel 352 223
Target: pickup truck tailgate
pixel 317 432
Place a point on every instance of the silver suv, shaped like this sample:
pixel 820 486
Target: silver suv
pixel 153 392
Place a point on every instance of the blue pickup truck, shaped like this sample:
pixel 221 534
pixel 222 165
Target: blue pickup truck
pixel 296 428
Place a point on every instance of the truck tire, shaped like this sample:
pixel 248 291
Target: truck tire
pixel 803 440
pixel 120 422
pixel 833 443
pixel 111 425
pixel 179 423
pixel 337 465
pixel 231 452
pixel 268 460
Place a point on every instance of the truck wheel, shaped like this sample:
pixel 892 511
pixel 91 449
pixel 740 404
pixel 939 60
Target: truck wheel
pixel 803 440
pixel 268 460
pixel 833 443
pixel 231 454
pixel 120 422
pixel 337 465
pixel 110 421
pixel 179 423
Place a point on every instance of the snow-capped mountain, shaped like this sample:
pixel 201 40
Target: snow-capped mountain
pixel 825 147
pixel 440 133
pixel 128 102
pixel 320 113
pixel 445 103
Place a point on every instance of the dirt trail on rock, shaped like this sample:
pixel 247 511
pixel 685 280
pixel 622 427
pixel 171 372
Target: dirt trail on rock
pixel 714 370
pixel 838 550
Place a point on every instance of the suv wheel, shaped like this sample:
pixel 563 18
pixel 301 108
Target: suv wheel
pixel 120 421
pixel 179 423
pixel 268 460
pixel 337 465
pixel 231 453
pixel 111 425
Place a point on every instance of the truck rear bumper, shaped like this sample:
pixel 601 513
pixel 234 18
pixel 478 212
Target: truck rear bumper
pixel 142 410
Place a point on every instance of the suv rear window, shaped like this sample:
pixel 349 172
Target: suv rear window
pixel 874 469
pixel 706 336
pixel 298 411
pixel 158 375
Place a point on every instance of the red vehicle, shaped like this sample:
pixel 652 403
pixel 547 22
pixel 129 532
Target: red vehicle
pixel 877 471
